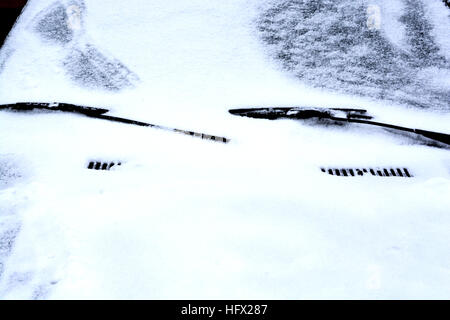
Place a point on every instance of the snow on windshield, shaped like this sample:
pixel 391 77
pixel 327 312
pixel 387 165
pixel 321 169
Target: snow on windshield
pixel 396 50
pixel 61 25
pixel 385 49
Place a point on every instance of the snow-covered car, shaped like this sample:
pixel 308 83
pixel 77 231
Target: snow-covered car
pixel 239 149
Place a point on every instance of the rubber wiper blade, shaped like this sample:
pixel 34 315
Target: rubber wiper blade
pixel 335 114
pixel 99 113
pixel 55 106
pixel 300 113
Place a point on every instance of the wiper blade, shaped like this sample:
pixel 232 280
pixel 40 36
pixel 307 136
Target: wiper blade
pixel 66 107
pixel 300 113
pixel 99 113
pixel 335 114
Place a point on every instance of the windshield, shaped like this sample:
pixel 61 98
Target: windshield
pixel 145 56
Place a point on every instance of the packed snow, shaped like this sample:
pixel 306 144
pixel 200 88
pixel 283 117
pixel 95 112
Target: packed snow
pixel 184 218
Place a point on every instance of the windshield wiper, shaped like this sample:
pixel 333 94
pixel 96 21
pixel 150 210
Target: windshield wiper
pixel 334 114
pixel 99 113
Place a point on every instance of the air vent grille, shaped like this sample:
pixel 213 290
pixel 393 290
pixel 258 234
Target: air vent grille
pixel 376 172
pixel 100 165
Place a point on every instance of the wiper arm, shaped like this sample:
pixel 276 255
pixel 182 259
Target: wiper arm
pixel 335 114
pixel 99 113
